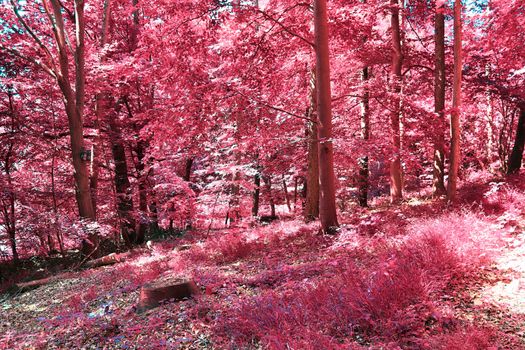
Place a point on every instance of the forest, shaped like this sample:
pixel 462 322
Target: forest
pixel 262 174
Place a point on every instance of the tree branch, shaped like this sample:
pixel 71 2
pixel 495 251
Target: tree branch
pixel 285 28
pixel 36 62
pixel 32 33
pixel 278 109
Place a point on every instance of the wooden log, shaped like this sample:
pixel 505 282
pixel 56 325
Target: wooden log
pixel 152 294
pixel 25 286
pixel 110 259
pixel 34 283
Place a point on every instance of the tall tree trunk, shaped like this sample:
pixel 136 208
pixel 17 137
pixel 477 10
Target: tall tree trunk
pixel 187 178
pixel 311 208
pixel 94 162
pixel 286 195
pixel 8 209
pixel 438 181
pixel 154 212
pixel 12 241
pixel 74 105
pixel 490 121
pixel 516 156
pixel 327 207
pixel 295 189
pixel 187 169
pixel 365 136
pixel 101 110
pixel 268 183
pixel 121 179
pixel 455 131
pixel 396 175
pixel 143 193
pixel 256 191
pixel 53 188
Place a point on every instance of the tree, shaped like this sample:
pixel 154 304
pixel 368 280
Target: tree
pixel 311 207
pixel 7 162
pixel 327 208
pixel 363 181
pixel 396 175
pixel 438 182
pixel 59 69
pixel 455 129
pixel 516 156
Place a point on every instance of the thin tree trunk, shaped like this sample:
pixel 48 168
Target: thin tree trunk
pixel 187 178
pixel 311 208
pixel 10 216
pixel 327 207
pixel 268 183
pixel 490 122
pixel 154 213
pixel 101 110
pixel 438 181
pixel 143 197
pixel 53 188
pixel 170 225
pixel 455 131
pixel 9 209
pixel 187 169
pixel 122 184
pixel 295 190
pixel 12 241
pixel 516 156
pixel 286 196
pixel 365 136
pixel 94 167
pixel 257 191
pixel 396 175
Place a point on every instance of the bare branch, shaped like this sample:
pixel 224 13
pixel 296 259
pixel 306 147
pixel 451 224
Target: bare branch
pixel 285 28
pixel 32 33
pixel 36 62
pixel 278 109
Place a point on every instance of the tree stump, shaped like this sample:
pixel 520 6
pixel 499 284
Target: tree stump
pixel 152 294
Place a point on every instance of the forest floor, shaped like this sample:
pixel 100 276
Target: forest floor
pixel 417 276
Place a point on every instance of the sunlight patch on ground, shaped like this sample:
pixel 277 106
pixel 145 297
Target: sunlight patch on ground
pixel 510 293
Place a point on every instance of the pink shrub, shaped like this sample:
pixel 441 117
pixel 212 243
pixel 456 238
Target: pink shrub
pixel 388 303
pixel 232 247
pixel 471 236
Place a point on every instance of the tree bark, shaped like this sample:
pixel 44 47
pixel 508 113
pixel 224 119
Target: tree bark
pixel 257 191
pixel 268 183
pixel 327 207
pixel 152 294
pixel 516 156
pixel 53 189
pixel 365 136
pixel 396 175
pixel 438 181
pixel 101 110
pixel 9 208
pixel 187 178
pixel 187 169
pixel 154 212
pixel 286 195
pixel 74 106
pixel 122 184
pixel 311 208
pixel 143 194
pixel 455 131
